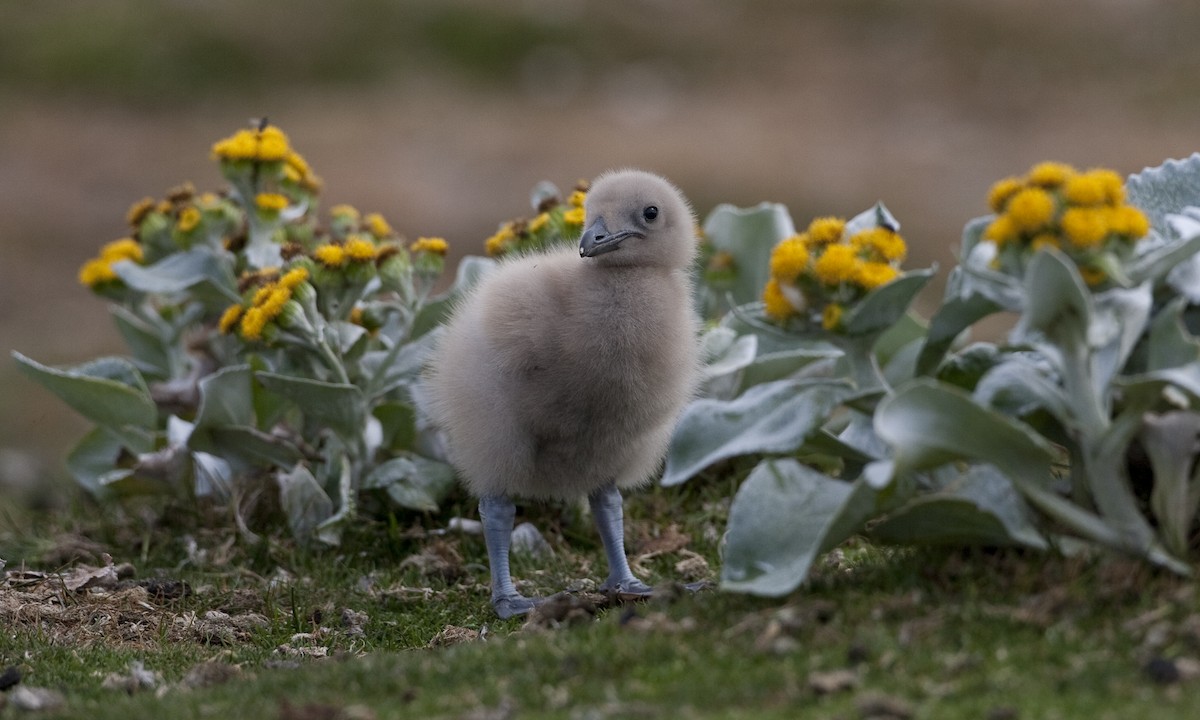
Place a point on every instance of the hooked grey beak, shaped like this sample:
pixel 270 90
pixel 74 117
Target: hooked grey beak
pixel 597 240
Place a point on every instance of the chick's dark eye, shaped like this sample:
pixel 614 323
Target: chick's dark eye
pixel 650 212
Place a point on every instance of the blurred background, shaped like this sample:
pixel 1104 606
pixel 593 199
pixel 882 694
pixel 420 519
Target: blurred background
pixel 442 114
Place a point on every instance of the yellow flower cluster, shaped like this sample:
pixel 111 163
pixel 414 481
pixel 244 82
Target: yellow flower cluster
pixel 502 241
pixel 434 245
pixel 822 271
pixel 555 220
pixel 1054 205
pixel 99 270
pixel 270 203
pixel 357 248
pixel 268 144
pixel 265 305
pixel 377 225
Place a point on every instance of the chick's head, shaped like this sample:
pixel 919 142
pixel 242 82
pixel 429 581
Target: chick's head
pixel 637 218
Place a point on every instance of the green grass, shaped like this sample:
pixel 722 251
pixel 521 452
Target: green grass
pixel 948 633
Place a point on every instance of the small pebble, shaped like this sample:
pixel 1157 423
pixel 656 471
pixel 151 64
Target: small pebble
pixel 1162 671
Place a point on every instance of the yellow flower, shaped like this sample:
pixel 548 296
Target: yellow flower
pixel 95 272
pixel 836 265
pixel 139 210
pixel 1000 193
pixel 1050 174
pixel 123 249
pixel 242 145
pixel 1114 186
pixel 1129 221
pixel 435 245
pixel 789 258
pixel 1001 230
pixel 267 145
pixel 870 275
pixel 577 199
pixel 189 218
pixel 272 144
pixel 1030 209
pixel 574 216
pixel 882 243
pixel 347 211
pixel 377 225
pixel 253 323
pixel 330 255
pixel 293 277
pixel 1044 240
pixel 270 202
pixel 1092 276
pixel 826 230
pixel 497 244
pixel 229 319
pixel 775 304
pixel 356 315
pixel 1084 227
pixel 297 164
pixel 275 301
pixel 538 222
pixel 359 249
pixel 208 201
pixel 831 316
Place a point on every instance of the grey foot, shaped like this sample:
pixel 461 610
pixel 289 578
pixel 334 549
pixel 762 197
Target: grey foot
pixel 627 588
pixel 515 605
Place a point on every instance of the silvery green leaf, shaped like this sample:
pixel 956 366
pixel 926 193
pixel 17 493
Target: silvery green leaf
pixel 723 351
pixel 877 216
pixel 212 475
pixel 1169 344
pixel 1119 319
pixel 405 366
pixel 339 406
pixel 928 424
pixel 93 461
pixel 770 418
pixel 1173 256
pixel 109 392
pixel 249 444
pixel 148 344
pixel 783 516
pixel 1063 310
pixel 347 336
pixel 952 319
pixel 901 365
pixel 304 502
pixel 226 398
pixel 412 481
pixel 208 276
pixel 1170 441
pixel 884 306
pixel 749 235
pixel 1165 189
pixel 470 269
pixel 1021 383
pixel 981 507
pixel 725 354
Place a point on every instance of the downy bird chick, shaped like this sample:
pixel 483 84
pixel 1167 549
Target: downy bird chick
pixel 561 375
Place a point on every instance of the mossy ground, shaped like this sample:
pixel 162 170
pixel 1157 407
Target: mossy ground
pixel 397 610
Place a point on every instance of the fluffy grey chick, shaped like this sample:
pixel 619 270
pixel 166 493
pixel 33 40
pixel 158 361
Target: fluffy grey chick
pixel 562 374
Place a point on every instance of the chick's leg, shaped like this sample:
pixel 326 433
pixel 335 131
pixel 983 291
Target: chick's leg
pixel 610 520
pixel 497 513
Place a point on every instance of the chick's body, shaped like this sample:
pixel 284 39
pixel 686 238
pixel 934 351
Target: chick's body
pixel 559 376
